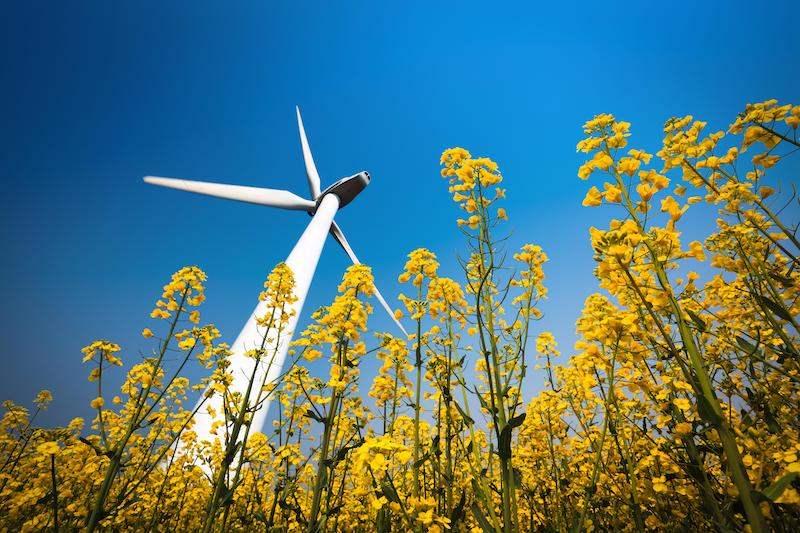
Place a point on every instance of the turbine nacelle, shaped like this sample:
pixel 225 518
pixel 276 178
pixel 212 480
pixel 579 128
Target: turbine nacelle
pixel 346 189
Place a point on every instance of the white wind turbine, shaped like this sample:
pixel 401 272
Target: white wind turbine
pixel 302 260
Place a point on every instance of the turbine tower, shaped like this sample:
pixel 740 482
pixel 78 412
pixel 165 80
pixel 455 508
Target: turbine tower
pixel 302 260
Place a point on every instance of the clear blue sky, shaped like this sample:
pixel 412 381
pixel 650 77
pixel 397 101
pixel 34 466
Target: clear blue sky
pixel 97 94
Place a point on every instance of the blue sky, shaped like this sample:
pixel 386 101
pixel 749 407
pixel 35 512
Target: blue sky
pixel 97 94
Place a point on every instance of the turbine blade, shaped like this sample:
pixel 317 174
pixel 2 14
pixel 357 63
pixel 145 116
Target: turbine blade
pixel 311 168
pixel 253 195
pixel 337 233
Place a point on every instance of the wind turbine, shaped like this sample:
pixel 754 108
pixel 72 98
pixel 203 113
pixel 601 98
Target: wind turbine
pixel 302 260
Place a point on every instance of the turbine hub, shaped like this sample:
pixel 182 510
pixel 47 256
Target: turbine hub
pixel 346 189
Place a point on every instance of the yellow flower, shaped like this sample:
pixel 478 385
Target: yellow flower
pixel 546 344
pixel 159 313
pixel 187 343
pixel 147 333
pixel 421 263
pixel 670 206
pixel 682 403
pixel 602 161
pixel 612 193
pixel 765 160
pixel 311 354
pixel 593 198
pixel 628 165
pixel 640 155
pixel 97 403
pixel 185 289
pixel 585 170
pixel 48 448
pixel 378 463
pixel 403 457
pixel 378 503
pixel 43 399
pixel 620 251
pixel 696 251
pixel 645 191
pixel 104 349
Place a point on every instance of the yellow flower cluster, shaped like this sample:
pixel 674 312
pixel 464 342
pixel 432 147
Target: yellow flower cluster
pixel 279 293
pixel 470 180
pixel 421 263
pixel 391 386
pixel 100 351
pixel 341 324
pixel 675 410
pixel 531 278
pixel 184 290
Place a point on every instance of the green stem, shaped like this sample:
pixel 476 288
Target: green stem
pixel 415 488
pixel 55 492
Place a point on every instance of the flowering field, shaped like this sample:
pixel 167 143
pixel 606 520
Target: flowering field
pixel 678 408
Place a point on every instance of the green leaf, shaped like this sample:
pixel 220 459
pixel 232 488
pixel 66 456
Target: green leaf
pixel 342 453
pixel 504 440
pixel 504 443
pixel 481 518
pixel 228 499
pixel 333 510
pixel 774 491
pixel 383 522
pixel 699 322
pixel 232 452
pixel 747 346
pixel 517 420
pixel 458 513
pixel 783 280
pixel 477 489
pixel 517 475
pixel 467 420
pixel 778 310
pixel 486 405
pixel 421 460
pixel 707 412
pixel 389 492
pixel 312 415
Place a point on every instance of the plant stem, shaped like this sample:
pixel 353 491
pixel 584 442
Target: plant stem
pixel 55 492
